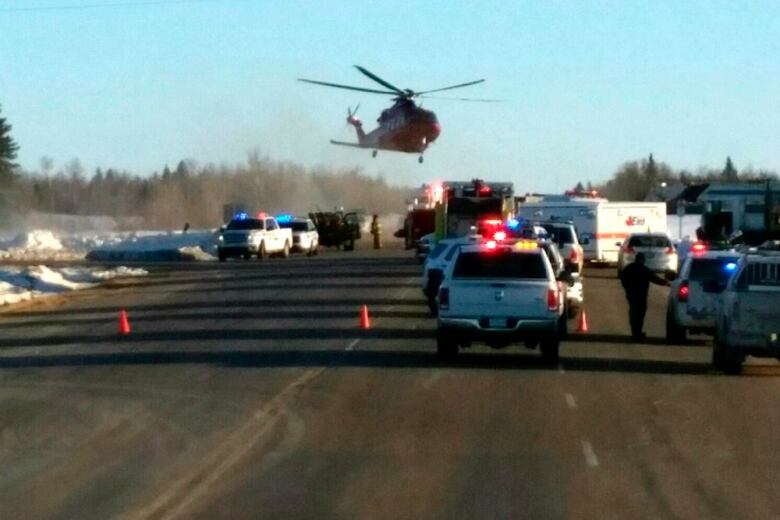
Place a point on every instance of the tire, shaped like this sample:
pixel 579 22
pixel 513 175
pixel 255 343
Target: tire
pixel 724 359
pixel 550 349
pixel 286 250
pixel 446 345
pixel 261 254
pixel 674 333
pixel 563 329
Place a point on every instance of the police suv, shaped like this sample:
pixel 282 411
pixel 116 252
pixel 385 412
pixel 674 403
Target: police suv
pixel 500 294
pixel 690 308
pixel 747 320
pixel 306 239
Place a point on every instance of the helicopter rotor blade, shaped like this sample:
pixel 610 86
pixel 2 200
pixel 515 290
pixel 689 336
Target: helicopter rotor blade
pixel 461 85
pixel 382 82
pixel 347 87
pixel 473 100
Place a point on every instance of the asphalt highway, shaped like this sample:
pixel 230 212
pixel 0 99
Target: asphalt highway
pixel 246 390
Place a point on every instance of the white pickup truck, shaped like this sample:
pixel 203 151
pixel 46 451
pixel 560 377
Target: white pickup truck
pixel 247 237
pixel 747 321
pixel 500 294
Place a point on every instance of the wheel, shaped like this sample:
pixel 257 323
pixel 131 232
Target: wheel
pixel 726 359
pixel 674 333
pixel 374 153
pixel 420 159
pixel 550 348
pixel 563 329
pixel 261 255
pixel 286 250
pixel 446 346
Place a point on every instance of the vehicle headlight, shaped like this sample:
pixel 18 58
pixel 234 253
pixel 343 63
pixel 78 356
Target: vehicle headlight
pixel 220 238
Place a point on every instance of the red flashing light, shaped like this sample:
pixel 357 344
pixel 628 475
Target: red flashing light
pixel 699 247
pixel 683 291
pixel 491 244
pixel 493 222
pixel 262 214
pixel 499 236
pixel 485 190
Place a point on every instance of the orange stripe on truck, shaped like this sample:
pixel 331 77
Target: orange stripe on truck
pixel 611 235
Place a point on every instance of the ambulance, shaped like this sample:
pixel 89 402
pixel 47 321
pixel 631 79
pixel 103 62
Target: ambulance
pixel 602 225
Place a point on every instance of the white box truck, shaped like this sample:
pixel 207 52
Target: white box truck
pixel 601 224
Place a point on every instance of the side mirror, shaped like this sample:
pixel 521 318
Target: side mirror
pixel 713 286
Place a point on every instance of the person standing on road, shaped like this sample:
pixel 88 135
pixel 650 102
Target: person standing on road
pixel 636 279
pixel 376 230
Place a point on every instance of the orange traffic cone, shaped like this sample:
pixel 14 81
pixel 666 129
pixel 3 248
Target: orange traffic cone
pixel 582 326
pixel 364 321
pixel 124 324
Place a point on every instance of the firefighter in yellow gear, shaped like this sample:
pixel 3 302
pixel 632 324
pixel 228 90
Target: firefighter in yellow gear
pixel 376 230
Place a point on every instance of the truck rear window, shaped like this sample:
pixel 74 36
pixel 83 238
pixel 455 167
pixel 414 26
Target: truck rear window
pixel 499 264
pixel 710 268
pixel 562 235
pixel 649 241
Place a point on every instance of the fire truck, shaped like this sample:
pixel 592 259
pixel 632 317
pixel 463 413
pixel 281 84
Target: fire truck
pixel 473 206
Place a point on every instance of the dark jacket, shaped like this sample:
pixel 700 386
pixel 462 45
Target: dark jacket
pixel 636 279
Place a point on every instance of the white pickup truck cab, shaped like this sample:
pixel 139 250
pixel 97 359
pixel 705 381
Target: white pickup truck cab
pixel 747 321
pixel 247 237
pixel 500 294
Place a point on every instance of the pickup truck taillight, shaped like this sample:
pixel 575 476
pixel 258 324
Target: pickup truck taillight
pixel 574 256
pixel 552 299
pixel 670 250
pixel 444 298
pixel 683 291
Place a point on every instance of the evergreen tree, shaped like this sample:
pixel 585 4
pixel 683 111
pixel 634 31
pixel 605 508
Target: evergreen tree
pixel 579 188
pixel 730 173
pixel 8 149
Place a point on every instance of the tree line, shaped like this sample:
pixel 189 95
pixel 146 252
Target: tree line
pixel 635 180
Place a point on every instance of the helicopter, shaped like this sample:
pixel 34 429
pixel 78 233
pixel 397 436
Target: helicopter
pixel 405 126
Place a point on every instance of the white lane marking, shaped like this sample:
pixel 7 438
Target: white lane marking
pixel 561 370
pixel 190 487
pixel 352 344
pixel 570 400
pixel 590 456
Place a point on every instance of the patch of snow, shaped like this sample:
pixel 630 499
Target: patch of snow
pixel 21 284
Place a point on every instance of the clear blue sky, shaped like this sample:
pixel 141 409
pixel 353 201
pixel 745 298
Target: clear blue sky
pixel 591 84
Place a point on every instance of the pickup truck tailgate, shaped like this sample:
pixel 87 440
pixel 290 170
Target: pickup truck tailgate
pixel 519 299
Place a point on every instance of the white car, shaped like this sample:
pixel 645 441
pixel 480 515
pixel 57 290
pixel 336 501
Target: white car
pixel 689 307
pixel 246 237
pixel 304 232
pixel 500 294
pixel 747 321
pixel 660 255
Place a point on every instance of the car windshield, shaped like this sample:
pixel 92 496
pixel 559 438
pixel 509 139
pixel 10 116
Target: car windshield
pixel 499 264
pixel 245 224
pixel 710 268
pixel 659 241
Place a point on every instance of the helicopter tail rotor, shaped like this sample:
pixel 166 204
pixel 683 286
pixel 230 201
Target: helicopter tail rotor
pixel 351 119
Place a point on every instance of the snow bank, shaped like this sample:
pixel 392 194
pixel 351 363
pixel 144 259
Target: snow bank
pixel 21 284
pixel 41 245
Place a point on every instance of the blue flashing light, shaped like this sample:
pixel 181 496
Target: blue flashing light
pixel 513 223
pixel 241 216
pixel 730 267
pixel 284 219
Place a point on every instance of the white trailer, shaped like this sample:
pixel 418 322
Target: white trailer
pixel 601 224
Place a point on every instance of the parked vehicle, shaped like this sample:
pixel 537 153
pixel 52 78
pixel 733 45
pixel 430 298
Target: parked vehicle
pixel 436 264
pixel 747 320
pixel 500 294
pixel 261 236
pixel 564 234
pixel 337 228
pixel 306 239
pixel 689 307
pixel 660 255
